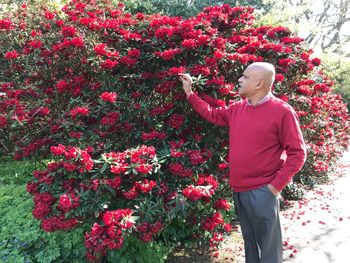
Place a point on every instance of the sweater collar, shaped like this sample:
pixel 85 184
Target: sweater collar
pixel 263 100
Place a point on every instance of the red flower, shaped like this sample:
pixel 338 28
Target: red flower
pixel 164 32
pixel 279 77
pixel 189 43
pixel 207 180
pixel 120 217
pixel 119 168
pixel 196 157
pixel 129 61
pixel 316 61
pixel 222 166
pixel 179 170
pixel 115 182
pixel 69 31
pixel 109 97
pixel 5 24
pixel 200 70
pixel 131 194
pixel 109 64
pixel 58 150
pixel 176 154
pixel 146 230
pixel 58 223
pixel 228 227
pixel 49 15
pixel 219 43
pixel 218 54
pixel 284 98
pixel 140 16
pixel 145 186
pixel 168 54
pixel 76 135
pixel 134 53
pixel 35 44
pixel 203 39
pixel 222 204
pixel 212 222
pixel 286 62
pixel 32 187
pixel 110 118
pixel 68 202
pixel 176 121
pixel 11 55
pixel 3 122
pixel 61 85
pixel 83 111
pixel 195 193
pixel 77 41
pixel 153 135
pixel 100 49
pixel 40 211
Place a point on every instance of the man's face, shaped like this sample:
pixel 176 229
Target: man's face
pixel 248 83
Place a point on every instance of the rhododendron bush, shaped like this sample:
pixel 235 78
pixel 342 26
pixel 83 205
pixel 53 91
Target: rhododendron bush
pixel 96 91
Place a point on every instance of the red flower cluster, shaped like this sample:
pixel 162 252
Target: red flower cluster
pixel 109 97
pixel 195 193
pixel 82 111
pixel 222 204
pixel 147 231
pixel 56 223
pixel 212 222
pixel 42 204
pixel 77 159
pixel 11 55
pixel 179 170
pixel 153 135
pixel 109 236
pixel 110 118
pixel 3 122
pixel 198 156
pixel 102 238
pixel 68 202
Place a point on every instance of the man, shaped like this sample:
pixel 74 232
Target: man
pixel 266 150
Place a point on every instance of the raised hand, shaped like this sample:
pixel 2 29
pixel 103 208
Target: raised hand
pixel 186 83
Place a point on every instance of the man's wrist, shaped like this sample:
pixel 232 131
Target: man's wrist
pixel 189 93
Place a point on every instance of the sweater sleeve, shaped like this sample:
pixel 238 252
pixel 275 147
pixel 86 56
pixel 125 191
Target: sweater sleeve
pixel 218 116
pixel 292 141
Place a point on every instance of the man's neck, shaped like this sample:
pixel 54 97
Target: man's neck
pixel 259 99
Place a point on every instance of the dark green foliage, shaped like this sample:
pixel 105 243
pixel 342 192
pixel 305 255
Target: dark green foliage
pixel 292 192
pixel 184 8
pixel 136 251
pixel 16 172
pixel 337 68
pixel 22 240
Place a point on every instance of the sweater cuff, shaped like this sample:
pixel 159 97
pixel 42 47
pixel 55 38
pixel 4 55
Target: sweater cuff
pixel 191 97
pixel 278 184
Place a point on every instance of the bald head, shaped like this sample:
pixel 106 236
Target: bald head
pixel 263 71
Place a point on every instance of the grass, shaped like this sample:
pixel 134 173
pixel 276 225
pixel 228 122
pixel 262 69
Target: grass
pixel 16 172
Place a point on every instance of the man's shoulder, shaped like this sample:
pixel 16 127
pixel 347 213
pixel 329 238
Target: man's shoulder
pixel 237 102
pixel 281 104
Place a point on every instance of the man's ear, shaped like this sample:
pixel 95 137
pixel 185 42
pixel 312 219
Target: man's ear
pixel 259 84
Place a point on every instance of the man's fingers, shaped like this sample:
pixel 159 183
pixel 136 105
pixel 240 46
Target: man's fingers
pixel 185 77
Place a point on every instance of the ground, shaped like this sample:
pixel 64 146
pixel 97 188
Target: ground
pixel 315 229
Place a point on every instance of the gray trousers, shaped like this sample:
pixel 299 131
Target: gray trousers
pixel 258 214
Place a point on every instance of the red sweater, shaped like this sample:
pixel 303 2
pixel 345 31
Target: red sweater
pixel 265 141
